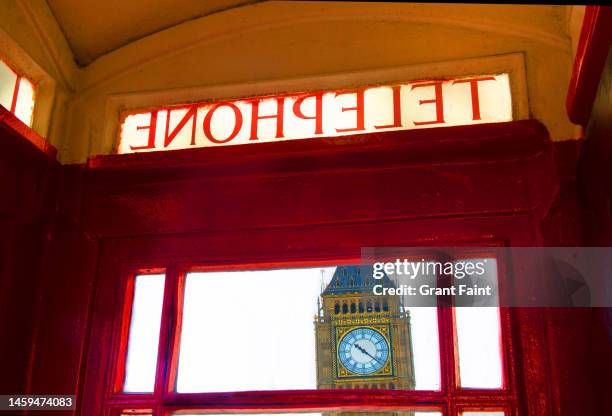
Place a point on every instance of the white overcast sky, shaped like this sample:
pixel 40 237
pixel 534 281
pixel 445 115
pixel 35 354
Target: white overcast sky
pixel 254 330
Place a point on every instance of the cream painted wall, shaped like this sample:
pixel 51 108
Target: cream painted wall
pixel 575 16
pixel 280 40
pixel 34 44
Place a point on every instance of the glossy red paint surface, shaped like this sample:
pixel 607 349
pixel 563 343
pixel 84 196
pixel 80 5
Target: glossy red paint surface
pixel 594 186
pixel 27 185
pixel 593 49
pixel 26 136
pixel 314 201
pixel 306 202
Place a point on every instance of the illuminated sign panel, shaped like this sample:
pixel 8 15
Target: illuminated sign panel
pixel 405 106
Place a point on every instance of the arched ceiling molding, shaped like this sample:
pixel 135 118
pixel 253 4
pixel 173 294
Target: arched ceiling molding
pixel 54 43
pixel 250 19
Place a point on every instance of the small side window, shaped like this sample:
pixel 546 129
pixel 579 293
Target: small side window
pixel 16 93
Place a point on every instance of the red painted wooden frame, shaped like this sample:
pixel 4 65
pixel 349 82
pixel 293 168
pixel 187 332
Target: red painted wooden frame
pixel 504 171
pixel 165 399
pixel 29 137
pixel 591 54
pixel 122 338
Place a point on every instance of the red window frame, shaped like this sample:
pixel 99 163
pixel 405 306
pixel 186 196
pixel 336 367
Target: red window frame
pixel 15 87
pixel 451 399
pixel 19 77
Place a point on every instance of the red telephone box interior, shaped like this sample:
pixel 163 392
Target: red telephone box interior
pixel 69 231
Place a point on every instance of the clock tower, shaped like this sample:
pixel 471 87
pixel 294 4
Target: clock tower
pixel 363 340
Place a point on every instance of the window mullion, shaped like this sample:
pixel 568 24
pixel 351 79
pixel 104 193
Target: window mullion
pixel 447 355
pixel 168 325
pixel 446 336
pixel 15 94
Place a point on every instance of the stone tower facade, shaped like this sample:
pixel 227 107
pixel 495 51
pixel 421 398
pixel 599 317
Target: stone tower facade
pixel 363 340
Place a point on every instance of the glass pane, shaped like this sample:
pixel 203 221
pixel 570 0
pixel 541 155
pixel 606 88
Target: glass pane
pixel 7 85
pixel 479 347
pixel 303 329
pixel 25 101
pixel 483 413
pixel 403 412
pixel 194 413
pixel 425 347
pixel 143 338
pixel 249 331
pixel 423 325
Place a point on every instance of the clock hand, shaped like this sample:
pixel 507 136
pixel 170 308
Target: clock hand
pixel 360 348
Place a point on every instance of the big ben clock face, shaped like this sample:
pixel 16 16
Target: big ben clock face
pixel 363 351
